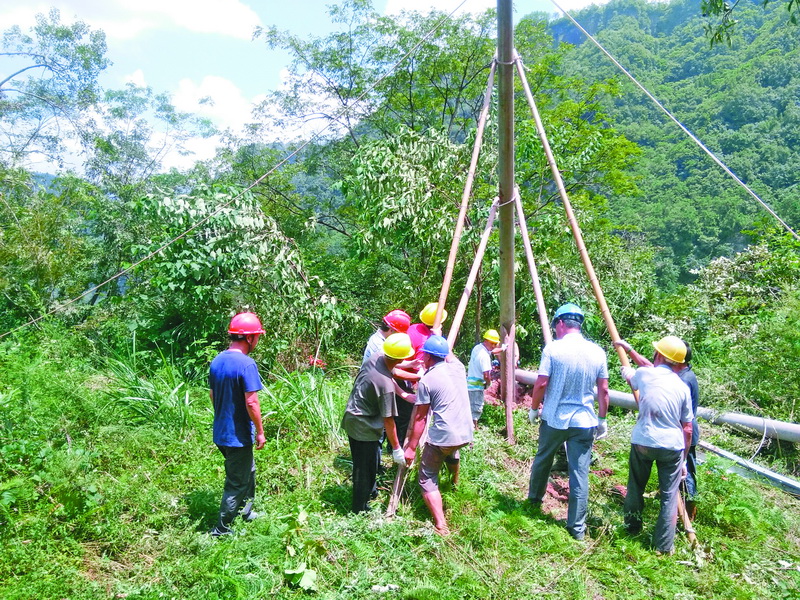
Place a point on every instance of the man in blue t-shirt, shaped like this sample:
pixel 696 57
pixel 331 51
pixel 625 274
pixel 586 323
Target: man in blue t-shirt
pixel 234 384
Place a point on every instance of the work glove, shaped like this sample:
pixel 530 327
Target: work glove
pixel 601 432
pixel 624 345
pixel 399 456
pixel 533 415
pixel 627 373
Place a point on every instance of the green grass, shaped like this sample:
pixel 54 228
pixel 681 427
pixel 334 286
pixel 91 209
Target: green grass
pixel 97 507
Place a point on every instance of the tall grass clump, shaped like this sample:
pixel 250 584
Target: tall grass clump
pixel 157 397
pixel 310 401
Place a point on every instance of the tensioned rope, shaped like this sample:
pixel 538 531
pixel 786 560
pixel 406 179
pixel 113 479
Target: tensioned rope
pixel 342 112
pixel 678 123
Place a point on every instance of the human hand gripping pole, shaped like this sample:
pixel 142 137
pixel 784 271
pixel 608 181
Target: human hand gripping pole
pixel 399 456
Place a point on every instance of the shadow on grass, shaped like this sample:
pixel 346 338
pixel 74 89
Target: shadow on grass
pixel 203 506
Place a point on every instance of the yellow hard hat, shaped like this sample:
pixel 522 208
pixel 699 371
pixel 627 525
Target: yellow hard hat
pixel 672 348
pixel 428 314
pixel 398 346
pixel 492 336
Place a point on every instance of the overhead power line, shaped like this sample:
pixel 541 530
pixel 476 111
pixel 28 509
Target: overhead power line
pixel 342 112
pixel 678 123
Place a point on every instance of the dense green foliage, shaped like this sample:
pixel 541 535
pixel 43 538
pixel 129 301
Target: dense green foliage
pixel 108 477
pixel 95 504
pixel 741 101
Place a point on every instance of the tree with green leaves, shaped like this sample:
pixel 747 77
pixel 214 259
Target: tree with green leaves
pixel 50 78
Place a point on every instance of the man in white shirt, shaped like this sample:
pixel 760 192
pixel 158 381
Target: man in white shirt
pixel 570 368
pixel 479 372
pixel 662 434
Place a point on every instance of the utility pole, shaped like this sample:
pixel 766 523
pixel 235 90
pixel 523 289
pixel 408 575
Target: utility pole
pixel 505 58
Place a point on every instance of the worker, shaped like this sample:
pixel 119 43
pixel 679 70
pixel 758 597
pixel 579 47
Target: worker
pixel 479 372
pixel 419 332
pixel 370 410
pixel 570 368
pixel 443 391
pixel 662 434
pixel 690 483
pixel 396 321
pixel 234 383
pixel 685 372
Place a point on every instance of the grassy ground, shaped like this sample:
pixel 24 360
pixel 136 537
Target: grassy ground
pixel 95 504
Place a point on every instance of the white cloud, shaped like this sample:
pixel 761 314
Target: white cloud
pixel 136 78
pixel 217 98
pixel 123 19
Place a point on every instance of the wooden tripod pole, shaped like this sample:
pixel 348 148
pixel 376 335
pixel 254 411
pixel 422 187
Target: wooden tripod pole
pixel 473 274
pixel 573 223
pixel 687 524
pixel 537 286
pixel 462 212
pixel 402 470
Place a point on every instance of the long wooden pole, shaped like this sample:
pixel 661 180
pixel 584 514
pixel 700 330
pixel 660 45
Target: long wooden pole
pixel 505 167
pixel 573 223
pixel 537 286
pixel 452 336
pixel 462 211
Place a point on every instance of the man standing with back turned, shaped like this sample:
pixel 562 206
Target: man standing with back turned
pixel 662 434
pixel 443 391
pixel 570 368
pixel 234 384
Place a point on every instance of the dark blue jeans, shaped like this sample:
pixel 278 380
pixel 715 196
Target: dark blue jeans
pixel 579 456
pixel 668 463
pixel 240 485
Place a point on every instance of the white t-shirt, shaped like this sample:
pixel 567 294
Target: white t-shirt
pixel 573 364
pixel 480 361
pixel 664 404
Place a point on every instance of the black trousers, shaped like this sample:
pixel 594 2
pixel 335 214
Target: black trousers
pixel 366 457
pixel 240 484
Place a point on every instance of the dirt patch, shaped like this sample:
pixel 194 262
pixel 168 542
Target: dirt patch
pixel 522 397
pixel 556 497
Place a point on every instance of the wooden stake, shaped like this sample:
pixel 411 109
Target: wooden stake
pixel 537 286
pixel 573 223
pixel 452 336
pixel 462 211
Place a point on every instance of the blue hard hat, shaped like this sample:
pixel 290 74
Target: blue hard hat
pixel 568 311
pixel 436 345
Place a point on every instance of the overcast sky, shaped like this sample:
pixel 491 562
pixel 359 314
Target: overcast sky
pixel 203 48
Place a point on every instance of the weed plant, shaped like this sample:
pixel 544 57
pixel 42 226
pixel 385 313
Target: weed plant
pixel 93 506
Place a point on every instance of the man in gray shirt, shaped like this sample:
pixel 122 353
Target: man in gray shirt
pixel 443 390
pixel 370 409
pixel 570 368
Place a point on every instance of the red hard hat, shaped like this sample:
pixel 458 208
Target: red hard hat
pixel 398 320
pixel 245 323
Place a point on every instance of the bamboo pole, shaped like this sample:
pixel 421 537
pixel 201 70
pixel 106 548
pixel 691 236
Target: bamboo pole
pixel 473 274
pixel 505 168
pixel 537 286
pixel 462 211
pixel 573 223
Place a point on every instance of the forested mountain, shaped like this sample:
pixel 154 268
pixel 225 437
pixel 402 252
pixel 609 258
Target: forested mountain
pixel 742 101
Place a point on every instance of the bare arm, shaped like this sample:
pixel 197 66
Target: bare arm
pixel 391 432
pixel 602 397
pixel 637 358
pixel 254 410
pixel 538 391
pixel 687 438
pixel 417 427
pixel 401 393
pixel 487 378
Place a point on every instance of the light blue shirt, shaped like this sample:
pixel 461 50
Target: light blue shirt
pixel 374 344
pixel 480 361
pixel 664 403
pixel 573 364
